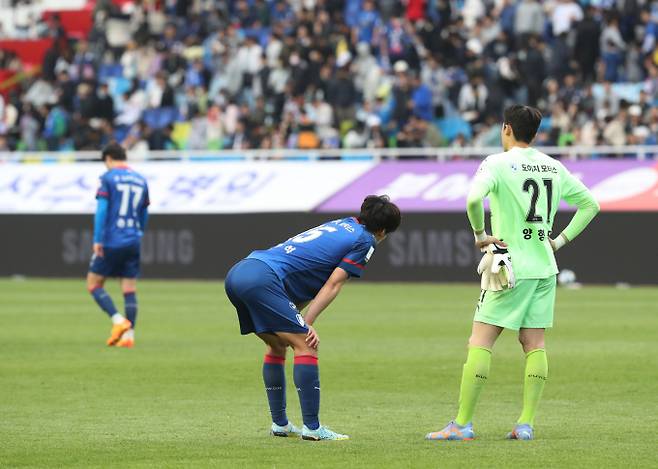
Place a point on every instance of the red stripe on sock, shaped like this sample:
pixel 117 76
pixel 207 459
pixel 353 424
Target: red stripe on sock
pixel 273 359
pixel 306 360
pixel 94 288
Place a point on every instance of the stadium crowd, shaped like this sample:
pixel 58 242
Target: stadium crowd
pixel 199 74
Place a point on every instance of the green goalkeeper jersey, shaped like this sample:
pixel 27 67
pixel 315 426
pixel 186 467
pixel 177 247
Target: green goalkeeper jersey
pixel 525 187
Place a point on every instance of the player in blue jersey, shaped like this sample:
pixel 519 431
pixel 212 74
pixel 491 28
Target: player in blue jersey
pixel 270 288
pixel 119 224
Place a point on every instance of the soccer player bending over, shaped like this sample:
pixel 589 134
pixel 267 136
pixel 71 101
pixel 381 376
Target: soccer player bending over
pixel 270 288
pixel 524 187
pixel 119 225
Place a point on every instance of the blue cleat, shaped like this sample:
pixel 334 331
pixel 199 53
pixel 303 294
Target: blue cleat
pixel 522 431
pixel 287 430
pixel 453 431
pixel 322 433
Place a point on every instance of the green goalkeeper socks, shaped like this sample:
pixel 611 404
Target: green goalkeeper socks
pixel 536 373
pixel 474 377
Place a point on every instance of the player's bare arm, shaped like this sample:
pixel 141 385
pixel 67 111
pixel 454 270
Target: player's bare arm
pixel 326 295
pixel 322 300
pixel 98 249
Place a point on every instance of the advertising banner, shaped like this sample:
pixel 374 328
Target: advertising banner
pixel 618 185
pixel 283 186
pixel 231 187
pixel 426 247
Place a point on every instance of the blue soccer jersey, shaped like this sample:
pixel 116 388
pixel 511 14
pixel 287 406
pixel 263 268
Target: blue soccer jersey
pixel 127 197
pixel 305 262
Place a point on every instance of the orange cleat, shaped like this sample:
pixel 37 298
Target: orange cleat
pixel 126 343
pixel 117 332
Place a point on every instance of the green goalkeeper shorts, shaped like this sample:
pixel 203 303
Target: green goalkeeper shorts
pixel 529 304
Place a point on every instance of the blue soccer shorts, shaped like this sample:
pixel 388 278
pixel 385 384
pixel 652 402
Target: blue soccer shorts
pixel 261 300
pixel 117 262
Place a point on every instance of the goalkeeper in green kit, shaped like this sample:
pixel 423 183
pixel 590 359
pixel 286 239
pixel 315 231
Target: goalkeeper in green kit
pixel 524 187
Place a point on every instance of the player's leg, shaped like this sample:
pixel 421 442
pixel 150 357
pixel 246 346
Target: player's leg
pixel 274 378
pixel 476 369
pixel 495 311
pixel 536 373
pixel 307 381
pixel 113 264
pixel 531 335
pixel 475 373
pixel 129 289
pixel 95 286
pixel 247 287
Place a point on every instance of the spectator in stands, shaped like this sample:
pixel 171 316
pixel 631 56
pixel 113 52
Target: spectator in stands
pixel 83 66
pixel 55 127
pixel 132 106
pixel 612 49
pixel 565 14
pixel 587 47
pixel 614 131
pixel 104 105
pixel 29 126
pixel 258 73
pixel 473 99
pixel 529 20
pixel 421 99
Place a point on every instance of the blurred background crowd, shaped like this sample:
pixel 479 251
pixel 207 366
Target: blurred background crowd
pixel 247 74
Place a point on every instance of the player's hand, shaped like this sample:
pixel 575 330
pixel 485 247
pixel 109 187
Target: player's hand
pixel 312 338
pixel 501 266
pixel 481 245
pixel 98 250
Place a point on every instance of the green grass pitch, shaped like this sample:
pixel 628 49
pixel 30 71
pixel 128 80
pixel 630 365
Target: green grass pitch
pixel 190 393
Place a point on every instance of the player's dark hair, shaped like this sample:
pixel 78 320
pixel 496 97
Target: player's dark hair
pixel 378 212
pixel 524 121
pixel 114 151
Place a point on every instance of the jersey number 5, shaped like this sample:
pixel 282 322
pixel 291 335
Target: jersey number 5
pixel 530 185
pixel 312 234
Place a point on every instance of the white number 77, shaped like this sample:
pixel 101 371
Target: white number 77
pixel 125 190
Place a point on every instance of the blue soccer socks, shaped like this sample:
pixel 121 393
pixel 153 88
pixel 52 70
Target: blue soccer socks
pixel 130 305
pixel 274 377
pixel 307 381
pixel 104 301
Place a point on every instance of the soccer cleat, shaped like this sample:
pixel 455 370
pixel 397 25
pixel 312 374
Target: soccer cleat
pixel 287 430
pixel 453 431
pixel 125 343
pixel 322 433
pixel 117 332
pixel 522 431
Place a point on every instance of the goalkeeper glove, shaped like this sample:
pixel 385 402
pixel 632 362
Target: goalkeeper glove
pixel 496 269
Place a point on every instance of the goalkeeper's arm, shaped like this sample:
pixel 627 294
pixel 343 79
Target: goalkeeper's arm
pixel 588 207
pixel 475 212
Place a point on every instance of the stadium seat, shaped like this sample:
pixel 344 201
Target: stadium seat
pixel 107 71
pixel 160 117
pixel 545 124
pixel 121 132
pixel 118 86
pixel 450 127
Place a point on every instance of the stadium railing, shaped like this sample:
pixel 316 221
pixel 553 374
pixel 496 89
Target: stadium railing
pixel 356 154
